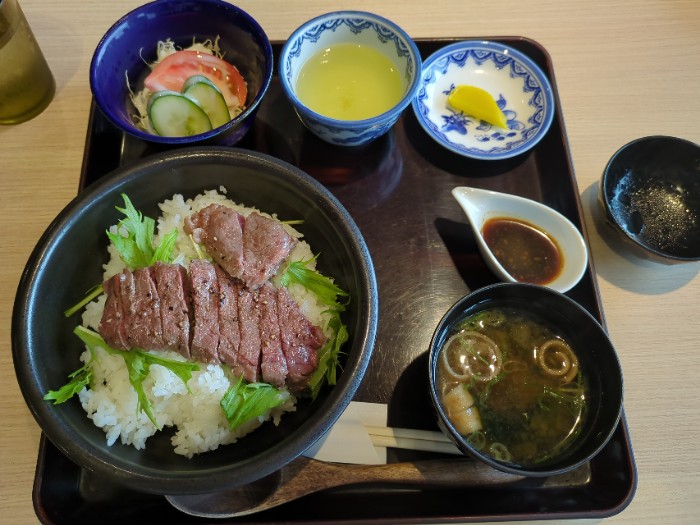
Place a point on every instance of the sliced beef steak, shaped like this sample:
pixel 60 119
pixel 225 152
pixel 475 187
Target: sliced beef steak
pixel 265 245
pixel 220 229
pixel 145 325
pixel 205 306
pixel 112 326
pixel 249 350
pixel 273 365
pixel 300 341
pixel 134 310
pixel 207 316
pixel 174 290
pixel 248 248
pixel 229 332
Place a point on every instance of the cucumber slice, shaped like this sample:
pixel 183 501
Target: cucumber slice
pixel 196 79
pixel 208 97
pixel 173 114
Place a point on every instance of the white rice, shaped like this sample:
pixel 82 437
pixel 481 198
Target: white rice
pixel 199 422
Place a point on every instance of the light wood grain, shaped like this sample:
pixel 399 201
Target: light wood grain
pixel 624 69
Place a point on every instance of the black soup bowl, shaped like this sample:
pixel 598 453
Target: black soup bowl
pixel 501 404
pixel 650 194
pixel 68 260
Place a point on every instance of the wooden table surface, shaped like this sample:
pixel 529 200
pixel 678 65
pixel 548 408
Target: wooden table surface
pixel 624 69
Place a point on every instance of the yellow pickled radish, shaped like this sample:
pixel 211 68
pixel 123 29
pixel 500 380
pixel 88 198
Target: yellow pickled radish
pixel 479 104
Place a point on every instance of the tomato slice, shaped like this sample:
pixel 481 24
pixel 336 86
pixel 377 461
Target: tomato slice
pixel 172 72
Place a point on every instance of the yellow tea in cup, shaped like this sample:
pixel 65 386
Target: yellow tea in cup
pixel 26 83
pixel 349 82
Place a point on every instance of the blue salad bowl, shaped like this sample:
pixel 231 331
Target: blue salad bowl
pixel 119 64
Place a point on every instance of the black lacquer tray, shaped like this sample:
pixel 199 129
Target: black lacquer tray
pixel 398 191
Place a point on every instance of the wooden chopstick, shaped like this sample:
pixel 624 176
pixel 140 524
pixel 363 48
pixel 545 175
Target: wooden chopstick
pixel 410 439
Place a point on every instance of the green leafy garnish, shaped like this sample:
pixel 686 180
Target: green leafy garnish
pixel 136 249
pixel 245 401
pixel 93 293
pixel 78 380
pixel 198 249
pixel 327 292
pixel 138 365
pixel 324 288
pixel 328 356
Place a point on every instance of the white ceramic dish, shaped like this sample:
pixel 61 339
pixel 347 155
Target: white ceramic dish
pixel 518 85
pixel 482 205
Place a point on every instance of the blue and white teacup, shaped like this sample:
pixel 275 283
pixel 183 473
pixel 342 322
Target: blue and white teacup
pixel 350 27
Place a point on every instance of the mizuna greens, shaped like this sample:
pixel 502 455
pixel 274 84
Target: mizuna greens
pixel 327 292
pixel 134 241
pixel 244 401
pixel 138 364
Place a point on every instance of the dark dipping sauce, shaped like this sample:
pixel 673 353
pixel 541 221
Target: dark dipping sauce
pixel 527 253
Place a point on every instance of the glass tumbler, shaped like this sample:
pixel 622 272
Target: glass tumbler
pixel 26 83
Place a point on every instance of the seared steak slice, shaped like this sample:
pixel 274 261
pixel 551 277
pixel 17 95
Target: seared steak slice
pixel 229 332
pixel 220 229
pixel 249 351
pixel 247 248
pixel 205 306
pixel 210 317
pixel 173 288
pixel 300 341
pixel 265 245
pixel 112 327
pixel 273 365
pixel 141 309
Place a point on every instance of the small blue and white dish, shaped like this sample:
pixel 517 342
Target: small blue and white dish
pixel 519 87
pixel 354 27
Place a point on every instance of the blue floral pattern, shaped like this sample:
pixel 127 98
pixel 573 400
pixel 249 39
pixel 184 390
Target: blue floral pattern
pixel 468 136
pixel 459 122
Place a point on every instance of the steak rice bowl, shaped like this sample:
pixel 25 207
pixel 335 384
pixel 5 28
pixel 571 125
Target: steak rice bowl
pixel 232 295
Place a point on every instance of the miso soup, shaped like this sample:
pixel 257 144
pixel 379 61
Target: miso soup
pixel 512 386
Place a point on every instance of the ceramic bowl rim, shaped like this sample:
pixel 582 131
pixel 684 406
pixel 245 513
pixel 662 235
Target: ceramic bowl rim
pixel 647 248
pixel 545 83
pixel 394 111
pixel 249 111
